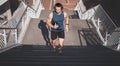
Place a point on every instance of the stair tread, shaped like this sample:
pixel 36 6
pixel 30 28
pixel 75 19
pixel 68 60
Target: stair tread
pixel 72 55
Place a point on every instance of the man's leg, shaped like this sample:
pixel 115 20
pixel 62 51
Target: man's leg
pixel 61 36
pixel 61 40
pixel 54 43
pixel 53 37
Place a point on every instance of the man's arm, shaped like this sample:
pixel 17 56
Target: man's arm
pixel 49 19
pixel 66 21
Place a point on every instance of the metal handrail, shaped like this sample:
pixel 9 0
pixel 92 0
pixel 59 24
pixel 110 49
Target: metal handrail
pixel 5 41
pixel 96 22
pixel 108 16
pixel 20 27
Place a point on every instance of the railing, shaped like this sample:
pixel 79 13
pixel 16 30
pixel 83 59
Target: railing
pixel 7 37
pixel 114 40
pixel 23 23
pixel 105 27
pixel 30 13
pixel 36 9
pixel 13 32
pixel 82 12
pixel 80 9
pixel 10 31
pixel 2 38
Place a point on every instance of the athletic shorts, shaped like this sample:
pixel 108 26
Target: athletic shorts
pixel 60 34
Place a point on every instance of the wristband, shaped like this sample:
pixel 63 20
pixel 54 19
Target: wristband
pixel 66 24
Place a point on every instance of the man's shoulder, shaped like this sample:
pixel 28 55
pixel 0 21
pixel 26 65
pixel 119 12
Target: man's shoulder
pixel 50 15
pixel 65 13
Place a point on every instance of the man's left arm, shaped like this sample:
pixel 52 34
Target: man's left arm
pixel 66 22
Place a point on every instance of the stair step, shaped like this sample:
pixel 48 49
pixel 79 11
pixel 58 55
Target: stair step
pixel 72 55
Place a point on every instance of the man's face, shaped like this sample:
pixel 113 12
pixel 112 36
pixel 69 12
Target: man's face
pixel 58 9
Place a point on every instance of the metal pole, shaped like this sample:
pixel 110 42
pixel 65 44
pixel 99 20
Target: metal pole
pixel 118 44
pixel 16 39
pixel 5 38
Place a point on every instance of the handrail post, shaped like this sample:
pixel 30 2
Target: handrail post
pixel 4 35
pixel 16 38
pixel 78 8
pixel 118 48
pixel 106 38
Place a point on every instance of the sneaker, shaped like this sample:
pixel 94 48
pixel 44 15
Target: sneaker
pixel 54 49
pixel 59 50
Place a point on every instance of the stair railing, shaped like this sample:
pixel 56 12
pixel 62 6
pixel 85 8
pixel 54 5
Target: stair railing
pixel 3 41
pixel 79 8
pixel 102 22
pixel 17 25
pixel 118 47
pixel 9 32
pixel 110 34
pixel 114 40
pixel 96 24
pixel 29 13
pixel 82 13
pixel 8 36
pixel 36 9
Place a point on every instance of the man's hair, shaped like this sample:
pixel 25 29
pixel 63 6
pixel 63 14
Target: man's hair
pixel 58 5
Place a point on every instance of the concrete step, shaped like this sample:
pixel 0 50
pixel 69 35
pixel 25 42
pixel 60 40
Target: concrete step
pixel 36 55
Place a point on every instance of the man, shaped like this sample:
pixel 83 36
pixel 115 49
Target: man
pixel 55 21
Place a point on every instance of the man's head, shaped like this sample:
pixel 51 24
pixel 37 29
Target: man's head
pixel 58 7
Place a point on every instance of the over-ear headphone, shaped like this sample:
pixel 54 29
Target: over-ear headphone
pixel 58 5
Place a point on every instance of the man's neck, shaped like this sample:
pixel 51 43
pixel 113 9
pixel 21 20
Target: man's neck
pixel 59 13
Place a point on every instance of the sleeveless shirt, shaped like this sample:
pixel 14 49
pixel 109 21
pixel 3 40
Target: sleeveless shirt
pixel 58 19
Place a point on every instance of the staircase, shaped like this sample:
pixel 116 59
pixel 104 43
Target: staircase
pixel 79 31
pixel 82 47
pixel 39 55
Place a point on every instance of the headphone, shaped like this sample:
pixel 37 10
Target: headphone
pixel 58 5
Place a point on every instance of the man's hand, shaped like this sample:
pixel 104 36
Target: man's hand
pixel 55 26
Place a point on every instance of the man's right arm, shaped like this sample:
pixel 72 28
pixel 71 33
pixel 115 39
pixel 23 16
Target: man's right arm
pixel 49 19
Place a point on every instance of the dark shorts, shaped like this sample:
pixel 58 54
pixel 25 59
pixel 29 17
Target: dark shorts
pixel 60 34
